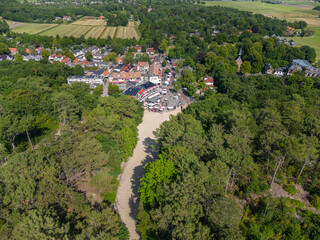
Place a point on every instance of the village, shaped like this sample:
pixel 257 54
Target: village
pixel 150 82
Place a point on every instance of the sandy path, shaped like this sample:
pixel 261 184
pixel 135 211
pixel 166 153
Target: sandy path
pixel 127 194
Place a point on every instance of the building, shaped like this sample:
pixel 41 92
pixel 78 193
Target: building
pixel 67 18
pixel 155 74
pixel 143 92
pixel 93 81
pixel 239 60
pixel 138 49
pixel 268 69
pixel 143 67
pixel 150 51
pixel 13 51
pixel 121 77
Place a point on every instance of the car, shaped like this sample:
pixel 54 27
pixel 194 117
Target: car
pixel 164 91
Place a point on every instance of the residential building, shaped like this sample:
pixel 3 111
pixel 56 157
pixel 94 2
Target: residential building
pixel 13 51
pixel 93 81
pixel 117 77
pixel 67 18
pixel 150 51
pixel 155 74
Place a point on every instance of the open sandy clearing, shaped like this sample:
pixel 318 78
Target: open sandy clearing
pixel 127 195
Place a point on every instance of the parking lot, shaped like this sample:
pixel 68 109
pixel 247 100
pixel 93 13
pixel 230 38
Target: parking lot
pixel 168 99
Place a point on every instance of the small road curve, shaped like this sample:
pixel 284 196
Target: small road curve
pixel 127 201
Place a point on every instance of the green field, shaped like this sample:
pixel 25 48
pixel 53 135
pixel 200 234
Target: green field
pixel 85 26
pixel 291 11
pixel 32 28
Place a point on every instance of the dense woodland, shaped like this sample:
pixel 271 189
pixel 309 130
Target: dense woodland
pixel 219 157
pixel 56 142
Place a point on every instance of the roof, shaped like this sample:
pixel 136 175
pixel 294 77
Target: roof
pixel 126 75
pixel 302 63
pixel 154 70
pixel 132 91
pixel 209 80
pixel 102 17
pixel 147 85
pixel 105 73
pixel 143 64
pixel 65 60
pixel 149 50
pixel 13 50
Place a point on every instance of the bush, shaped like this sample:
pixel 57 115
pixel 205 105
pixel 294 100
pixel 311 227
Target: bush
pixel 315 201
pixel 109 197
pixel 297 203
pixel 291 189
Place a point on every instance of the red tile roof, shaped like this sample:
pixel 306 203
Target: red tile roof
pixel 149 50
pixel 65 60
pixel 105 73
pixel 13 50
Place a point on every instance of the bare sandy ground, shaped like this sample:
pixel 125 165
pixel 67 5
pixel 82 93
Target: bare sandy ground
pixel 127 194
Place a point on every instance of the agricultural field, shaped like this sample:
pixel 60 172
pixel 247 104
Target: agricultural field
pixel 291 11
pixel 31 28
pixel 109 31
pixel 95 32
pixel 89 21
pixel 89 27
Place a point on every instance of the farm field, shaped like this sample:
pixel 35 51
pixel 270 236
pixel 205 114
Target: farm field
pixel 291 11
pixel 89 27
pixel 89 21
pixel 31 28
pixel 109 31
pixel 95 32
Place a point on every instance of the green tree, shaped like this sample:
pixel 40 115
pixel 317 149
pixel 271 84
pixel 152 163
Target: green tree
pixel 45 53
pixel 113 89
pixel 66 107
pixel 88 56
pixel 4 49
pixel 18 58
pixel 245 67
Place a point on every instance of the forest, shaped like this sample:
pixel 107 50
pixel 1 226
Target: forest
pixel 228 164
pixel 58 145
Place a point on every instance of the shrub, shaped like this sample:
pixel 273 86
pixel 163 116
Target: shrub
pixel 315 201
pixel 291 189
pixel 109 197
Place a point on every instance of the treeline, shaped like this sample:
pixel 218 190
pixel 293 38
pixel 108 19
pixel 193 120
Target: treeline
pixel 61 147
pixel 218 159
pixel 46 13
pixel 186 18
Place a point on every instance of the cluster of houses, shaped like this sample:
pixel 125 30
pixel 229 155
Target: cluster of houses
pixel 31 54
pixel 297 65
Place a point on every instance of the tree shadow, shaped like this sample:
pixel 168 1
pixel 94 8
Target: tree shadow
pixel 150 147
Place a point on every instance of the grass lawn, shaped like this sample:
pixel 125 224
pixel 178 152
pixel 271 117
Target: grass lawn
pixel 32 28
pixel 313 42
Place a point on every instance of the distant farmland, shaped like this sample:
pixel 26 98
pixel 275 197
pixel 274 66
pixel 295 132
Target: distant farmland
pixel 87 26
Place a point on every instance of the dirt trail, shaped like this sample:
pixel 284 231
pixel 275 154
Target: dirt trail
pixel 127 194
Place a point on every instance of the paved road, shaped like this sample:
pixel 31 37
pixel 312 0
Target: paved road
pixel 105 89
pixel 127 194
